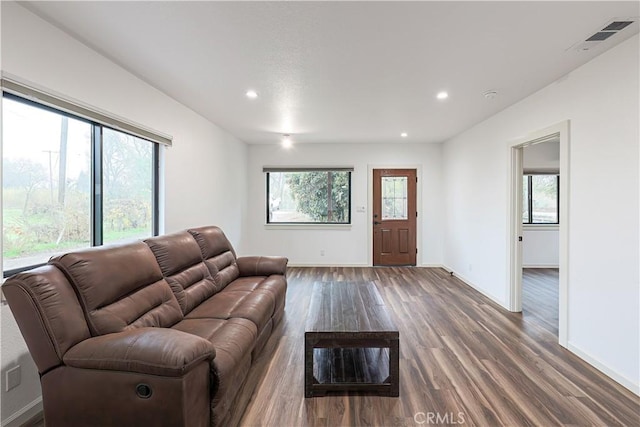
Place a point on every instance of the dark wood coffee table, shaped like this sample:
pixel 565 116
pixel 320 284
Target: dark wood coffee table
pixel 350 342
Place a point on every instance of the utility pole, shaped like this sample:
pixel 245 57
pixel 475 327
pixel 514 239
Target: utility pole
pixel 50 173
pixel 62 171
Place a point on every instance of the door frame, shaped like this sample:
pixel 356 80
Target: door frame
pixel 369 213
pixel 514 271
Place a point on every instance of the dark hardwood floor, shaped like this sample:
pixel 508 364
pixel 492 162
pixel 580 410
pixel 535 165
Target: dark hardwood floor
pixel 463 361
pixel 540 297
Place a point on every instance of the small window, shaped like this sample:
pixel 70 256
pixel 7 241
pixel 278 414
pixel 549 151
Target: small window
pixel 308 196
pixel 541 195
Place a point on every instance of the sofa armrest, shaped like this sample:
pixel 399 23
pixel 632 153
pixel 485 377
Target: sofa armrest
pixel 156 351
pixel 262 265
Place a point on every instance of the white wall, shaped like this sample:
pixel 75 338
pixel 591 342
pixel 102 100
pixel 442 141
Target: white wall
pixel 204 172
pixel 350 245
pixel 542 157
pixel 540 246
pixel 601 101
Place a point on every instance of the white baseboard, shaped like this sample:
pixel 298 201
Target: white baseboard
pixel 434 266
pixel 23 415
pixel 474 286
pixel 357 265
pixel 620 379
pixel 302 264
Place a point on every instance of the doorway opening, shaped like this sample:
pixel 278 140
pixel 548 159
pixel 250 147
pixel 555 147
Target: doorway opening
pixel 540 243
pixel 545 237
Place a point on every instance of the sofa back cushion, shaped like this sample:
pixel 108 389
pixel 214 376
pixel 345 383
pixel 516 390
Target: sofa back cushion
pixel 120 287
pixel 218 254
pixel 182 266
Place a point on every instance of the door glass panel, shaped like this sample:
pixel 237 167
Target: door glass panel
pixel 394 197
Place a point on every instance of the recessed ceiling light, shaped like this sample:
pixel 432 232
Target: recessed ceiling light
pixel 252 94
pixel 404 134
pixel 442 95
pixel 286 141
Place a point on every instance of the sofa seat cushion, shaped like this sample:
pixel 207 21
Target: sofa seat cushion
pixel 232 336
pixel 276 286
pixel 244 284
pixel 257 306
pixel 233 340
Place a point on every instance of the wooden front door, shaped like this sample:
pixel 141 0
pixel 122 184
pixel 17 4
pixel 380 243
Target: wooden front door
pixel 394 216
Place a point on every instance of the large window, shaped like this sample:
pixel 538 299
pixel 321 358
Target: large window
pixel 70 183
pixel 540 199
pixel 309 196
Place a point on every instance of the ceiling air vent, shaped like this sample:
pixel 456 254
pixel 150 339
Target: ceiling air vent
pixel 617 25
pixel 599 36
pixel 613 27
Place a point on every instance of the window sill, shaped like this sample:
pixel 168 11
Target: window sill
pixel 541 227
pixel 307 226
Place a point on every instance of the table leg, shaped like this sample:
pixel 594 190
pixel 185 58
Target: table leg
pixel 308 367
pixel 394 367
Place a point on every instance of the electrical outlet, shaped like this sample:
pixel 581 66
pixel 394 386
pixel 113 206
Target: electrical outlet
pixel 321 252
pixel 12 378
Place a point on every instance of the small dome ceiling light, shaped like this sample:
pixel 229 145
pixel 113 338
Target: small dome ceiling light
pixel 442 95
pixel 252 94
pixel 490 94
pixel 286 141
pixel 404 134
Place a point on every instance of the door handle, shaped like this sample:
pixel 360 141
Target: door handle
pixel 376 223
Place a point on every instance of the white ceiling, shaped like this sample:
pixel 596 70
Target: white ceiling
pixel 332 72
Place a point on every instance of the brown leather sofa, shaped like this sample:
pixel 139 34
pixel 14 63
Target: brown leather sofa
pixel 156 333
